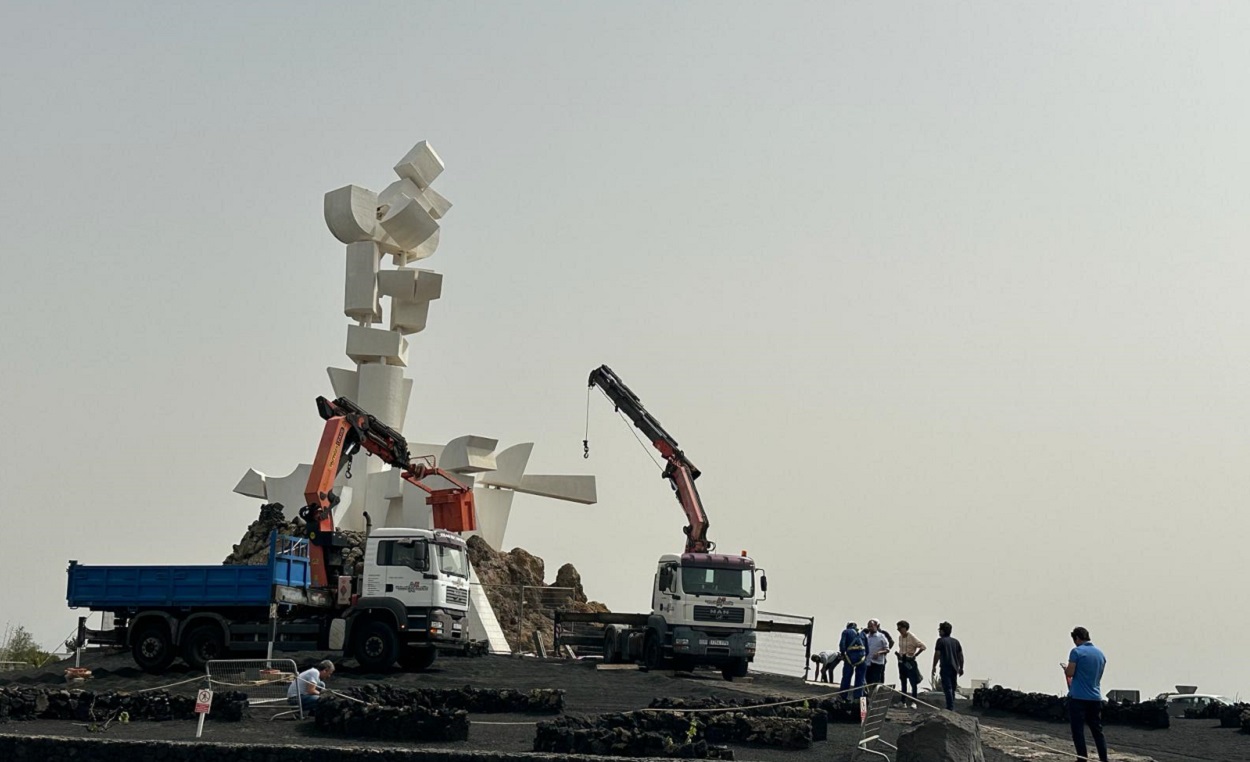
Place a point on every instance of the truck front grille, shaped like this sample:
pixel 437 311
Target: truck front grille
pixel 458 595
pixel 726 614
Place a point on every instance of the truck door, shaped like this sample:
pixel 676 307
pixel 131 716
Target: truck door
pixel 402 565
pixel 665 589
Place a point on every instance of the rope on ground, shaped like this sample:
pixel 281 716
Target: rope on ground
pixel 805 699
pixel 171 685
pixel 1051 749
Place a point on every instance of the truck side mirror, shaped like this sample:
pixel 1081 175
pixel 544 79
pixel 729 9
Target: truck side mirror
pixel 764 582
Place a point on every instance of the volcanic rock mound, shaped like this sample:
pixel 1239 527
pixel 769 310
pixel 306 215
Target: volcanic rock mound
pixel 523 602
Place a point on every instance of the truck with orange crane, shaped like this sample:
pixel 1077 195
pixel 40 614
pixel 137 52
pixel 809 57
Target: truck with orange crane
pixel 703 604
pixel 406 601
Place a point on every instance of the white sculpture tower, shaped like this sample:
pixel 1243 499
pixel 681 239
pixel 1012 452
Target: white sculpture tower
pixel 402 223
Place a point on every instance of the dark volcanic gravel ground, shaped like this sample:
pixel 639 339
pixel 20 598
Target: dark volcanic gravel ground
pixel 587 691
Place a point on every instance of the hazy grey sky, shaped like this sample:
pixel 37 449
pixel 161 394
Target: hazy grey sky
pixel 947 300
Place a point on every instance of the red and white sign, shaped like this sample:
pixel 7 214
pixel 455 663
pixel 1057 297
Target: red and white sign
pixel 203 701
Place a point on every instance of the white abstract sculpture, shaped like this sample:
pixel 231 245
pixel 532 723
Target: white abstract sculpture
pixel 403 222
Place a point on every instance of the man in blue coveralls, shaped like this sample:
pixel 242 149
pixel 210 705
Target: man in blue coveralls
pixel 854 653
pixel 1084 670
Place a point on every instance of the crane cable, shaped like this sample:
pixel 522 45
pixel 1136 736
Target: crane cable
pixel 628 424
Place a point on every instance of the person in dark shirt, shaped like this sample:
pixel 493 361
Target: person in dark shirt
pixel 948 655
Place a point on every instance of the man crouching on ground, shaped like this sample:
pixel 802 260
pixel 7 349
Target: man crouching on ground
pixel 307 688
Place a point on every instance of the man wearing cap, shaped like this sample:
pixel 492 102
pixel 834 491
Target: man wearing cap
pixel 308 685
pixel 1086 663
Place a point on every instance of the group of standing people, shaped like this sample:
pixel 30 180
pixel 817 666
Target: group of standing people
pixel 864 655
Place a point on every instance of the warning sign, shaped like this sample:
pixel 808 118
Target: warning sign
pixel 203 701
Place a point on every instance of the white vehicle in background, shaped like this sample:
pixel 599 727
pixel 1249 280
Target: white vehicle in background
pixel 1179 702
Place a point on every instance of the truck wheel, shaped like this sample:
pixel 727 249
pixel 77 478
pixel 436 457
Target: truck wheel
pixel 377 646
pixel 417 659
pixel 609 648
pixel 203 644
pixel 152 647
pixel 735 668
pixel 652 652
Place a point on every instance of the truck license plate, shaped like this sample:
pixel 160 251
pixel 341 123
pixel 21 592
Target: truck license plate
pixel 718 642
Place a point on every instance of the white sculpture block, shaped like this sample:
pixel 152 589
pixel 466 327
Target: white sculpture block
pixel 384 393
pixel 252 484
pixel 469 455
pixel 393 194
pixel 400 283
pixel 425 250
pixel 351 213
pixel 409 317
pixel 429 286
pixel 494 507
pixel 409 284
pixel 345 383
pixel 360 290
pixel 435 203
pixel 575 489
pixel 420 165
pixel 365 345
pixel 510 466
pixel 408 224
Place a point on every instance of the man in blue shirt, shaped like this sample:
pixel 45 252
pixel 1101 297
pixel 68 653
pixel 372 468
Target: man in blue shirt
pixel 1084 670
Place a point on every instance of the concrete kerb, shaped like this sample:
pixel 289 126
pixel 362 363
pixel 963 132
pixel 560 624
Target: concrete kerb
pixel 43 748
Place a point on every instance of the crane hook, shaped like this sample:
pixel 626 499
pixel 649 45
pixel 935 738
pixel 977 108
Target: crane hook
pixel 586 449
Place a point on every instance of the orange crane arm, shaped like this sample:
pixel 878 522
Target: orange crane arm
pixel 348 428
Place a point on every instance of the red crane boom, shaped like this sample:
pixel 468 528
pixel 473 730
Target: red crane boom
pixel 680 472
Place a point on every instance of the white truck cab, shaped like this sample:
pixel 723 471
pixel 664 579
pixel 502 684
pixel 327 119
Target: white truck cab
pixel 413 597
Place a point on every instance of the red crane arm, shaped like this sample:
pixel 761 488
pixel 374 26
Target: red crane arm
pixel 680 472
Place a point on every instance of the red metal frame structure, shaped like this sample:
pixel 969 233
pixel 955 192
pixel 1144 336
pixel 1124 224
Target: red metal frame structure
pixel 680 472
pixel 348 428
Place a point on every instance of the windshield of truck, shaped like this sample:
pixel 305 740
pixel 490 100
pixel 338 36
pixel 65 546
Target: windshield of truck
pixel 737 583
pixel 452 560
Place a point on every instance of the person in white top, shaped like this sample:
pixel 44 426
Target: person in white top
pixel 308 685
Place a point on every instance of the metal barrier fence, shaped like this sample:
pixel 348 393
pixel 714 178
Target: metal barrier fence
pixel 265 681
pixel 783 644
pixel 7 666
pixel 524 611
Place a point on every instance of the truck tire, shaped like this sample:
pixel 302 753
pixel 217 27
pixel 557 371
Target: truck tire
pixel 202 644
pixel 735 668
pixel 609 647
pixel 652 652
pixel 417 659
pixel 152 647
pixel 376 645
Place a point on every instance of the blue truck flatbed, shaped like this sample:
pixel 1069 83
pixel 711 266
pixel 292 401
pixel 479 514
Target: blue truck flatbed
pixel 121 588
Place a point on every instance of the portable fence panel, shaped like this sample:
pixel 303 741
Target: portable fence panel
pixel 784 653
pixel 265 681
pixel 522 610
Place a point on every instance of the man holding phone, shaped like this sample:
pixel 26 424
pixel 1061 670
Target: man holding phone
pixel 1086 663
